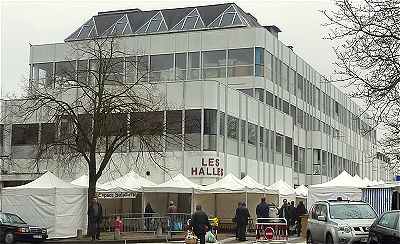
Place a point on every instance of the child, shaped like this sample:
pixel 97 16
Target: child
pixel 118 227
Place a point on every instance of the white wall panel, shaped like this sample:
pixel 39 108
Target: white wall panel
pixel 193 94
pixel 210 94
pixel 174 93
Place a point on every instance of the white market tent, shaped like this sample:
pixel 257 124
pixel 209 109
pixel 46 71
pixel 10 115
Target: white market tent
pixel 81 181
pixel 343 186
pixel 252 184
pixel 359 181
pixel 131 182
pixel 224 195
pixel 169 190
pixel 285 191
pixel 301 191
pixel 178 184
pixel 49 202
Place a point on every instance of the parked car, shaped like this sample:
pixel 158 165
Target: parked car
pixel 13 228
pixel 338 221
pixel 385 229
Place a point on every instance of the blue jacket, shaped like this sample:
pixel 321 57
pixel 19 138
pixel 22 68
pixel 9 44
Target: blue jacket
pixel 262 210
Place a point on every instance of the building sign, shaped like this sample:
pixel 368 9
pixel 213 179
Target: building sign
pixel 207 167
pixel 112 195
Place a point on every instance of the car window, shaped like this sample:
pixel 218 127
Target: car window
pixel 352 211
pixel 324 211
pixel 11 219
pixel 315 211
pixel 389 220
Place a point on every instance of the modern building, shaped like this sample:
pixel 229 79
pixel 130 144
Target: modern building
pixel 264 111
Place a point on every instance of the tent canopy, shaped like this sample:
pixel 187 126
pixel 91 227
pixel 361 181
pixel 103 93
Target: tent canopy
pixel 49 202
pixel 47 180
pixel 177 184
pixel 228 184
pixel 344 185
pixel 81 181
pixel 344 181
pixel 283 188
pixel 301 191
pixel 252 184
pixel 127 183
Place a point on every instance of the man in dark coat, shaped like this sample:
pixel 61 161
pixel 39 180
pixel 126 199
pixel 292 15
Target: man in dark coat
pixel 284 211
pixel 200 224
pixel 234 220
pixel 95 216
pixel 148 213
pixel 242 219
pixel 300 210
pixel 262 211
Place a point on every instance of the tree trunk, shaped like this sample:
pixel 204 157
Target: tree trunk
pixel 91 191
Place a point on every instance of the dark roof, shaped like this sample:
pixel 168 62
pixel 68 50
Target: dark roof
pixel 144 22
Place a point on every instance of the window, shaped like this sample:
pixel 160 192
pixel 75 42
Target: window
pixel 324 163
pixel 248 92
pixel 300 118
pixel 48 133
pixel 142 68
pixel 233 127
pixel 252 134
pixel 174 130
pixel 65 73
pixel 229 17
pixel 299 86
pixel 43 73
pixel 180 66
pixel 194 66
pixel 389 220
pixel 259 68
pixel 155 24
pixel 288 145
pixel 278 143
pixel 260 94
pixel 293 113
pixel 24 134
pixel 240 62
pixel 192 130
pixel 214 64
pixel 161 67
pixel 302 160
pixel 352 211
pixel 147 123
pixel 284 76
pixel 222 123
pixel 296 158
pixel 316 161
pixel 268 65
pixel 292 81
pixel 82 71
pixel 114 71
pixel 285 107
pixel 269 98
pixel 191 21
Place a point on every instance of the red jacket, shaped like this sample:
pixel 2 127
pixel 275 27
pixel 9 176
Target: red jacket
pixel 118 225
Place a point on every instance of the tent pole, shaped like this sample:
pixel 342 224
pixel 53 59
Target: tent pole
pixel 215 204
pixel 246 199
pixel 192 205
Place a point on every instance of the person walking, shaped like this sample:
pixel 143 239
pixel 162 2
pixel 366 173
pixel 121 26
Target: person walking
pixel 235 220
pixel 242 219
pixel 200 224
pixel 95 216
pixel 148 213
pixel 300 210
pixel 292 217
pixel 262 211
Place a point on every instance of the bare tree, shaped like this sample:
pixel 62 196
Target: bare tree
pixel 94 108
pixel 367 34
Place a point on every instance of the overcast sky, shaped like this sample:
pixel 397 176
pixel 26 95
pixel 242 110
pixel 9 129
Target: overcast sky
pixel 39 22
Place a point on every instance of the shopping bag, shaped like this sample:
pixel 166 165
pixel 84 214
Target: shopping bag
pixel 210 238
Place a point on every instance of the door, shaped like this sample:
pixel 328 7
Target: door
pixel 387 227
pixel 318 226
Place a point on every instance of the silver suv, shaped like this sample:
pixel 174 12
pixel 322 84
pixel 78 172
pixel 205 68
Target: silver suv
pixel 339 222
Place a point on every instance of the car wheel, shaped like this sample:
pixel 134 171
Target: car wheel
pixel 309 238
pixel 9 238
pixel 329 239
